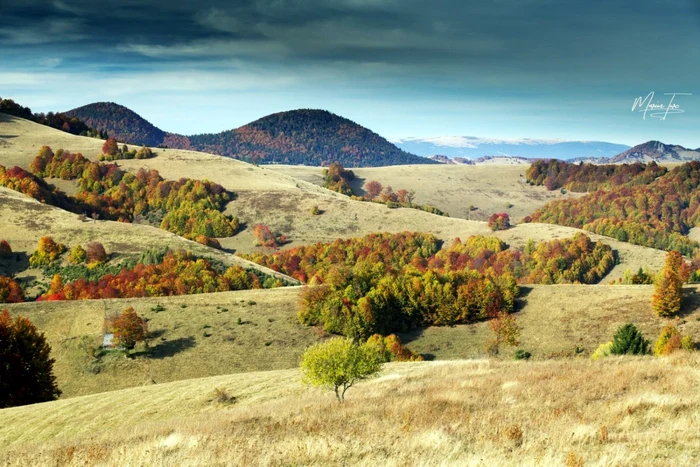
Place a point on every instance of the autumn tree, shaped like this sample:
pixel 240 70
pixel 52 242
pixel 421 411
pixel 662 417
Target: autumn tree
pixel 506 331
pixel 128 328
pixel 338 364
pixel 78 255
pixel 47 252
pixel 666 300
pixel 26 369
pixel 499 221
pixel 10 291
pixel 96 253
pixel 671 340
pixel 373 189
pixel 110 147
pixel 5 249
pixel 144 153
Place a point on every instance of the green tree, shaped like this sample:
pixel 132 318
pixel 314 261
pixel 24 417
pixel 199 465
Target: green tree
pixel 338 364
pixel 26 369
pixel 628 340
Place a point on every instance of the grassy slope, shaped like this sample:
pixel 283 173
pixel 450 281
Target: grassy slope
pixel 554 320
pixel 283 202
pixel 621 411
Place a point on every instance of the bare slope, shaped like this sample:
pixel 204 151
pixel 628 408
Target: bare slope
pixel 621 411
pixel 204 338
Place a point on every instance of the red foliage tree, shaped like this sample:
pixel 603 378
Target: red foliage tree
pixel 96 253
pixel 26 369
pixel 110 147
pixel 128 328
pixel 10 291
pixel 373 189
pixel 5 249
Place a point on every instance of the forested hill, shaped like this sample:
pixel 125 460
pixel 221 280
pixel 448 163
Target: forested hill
pixel 306 136
pixel 120 122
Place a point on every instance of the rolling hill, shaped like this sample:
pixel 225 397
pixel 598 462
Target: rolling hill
pixel 304 136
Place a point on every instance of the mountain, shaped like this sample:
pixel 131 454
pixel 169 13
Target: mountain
pixel 473 147
pixel 656 151
pixel 305 136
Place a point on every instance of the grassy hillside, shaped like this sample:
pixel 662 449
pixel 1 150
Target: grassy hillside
pixel 264 195
pixel 555 320
pixel 626 411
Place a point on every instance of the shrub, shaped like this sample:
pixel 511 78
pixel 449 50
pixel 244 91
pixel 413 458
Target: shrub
pixel 521 354
pixel 339 364
pixel 47 252
pixel 144 153
pixel 26 371
pixel 78 255
pixel 96 253
pixel 128 328
pixel 499 221
pixel 628 340
pixel 602 351
pixel 315 211
pixel 671 340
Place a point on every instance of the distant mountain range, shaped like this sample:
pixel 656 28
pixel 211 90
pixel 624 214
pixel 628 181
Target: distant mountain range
pixel 305 136
pixel 654 151
pixel 472 147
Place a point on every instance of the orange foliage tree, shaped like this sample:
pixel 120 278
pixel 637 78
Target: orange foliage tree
pixel 666 300
pixel 128 328
pixel 10 291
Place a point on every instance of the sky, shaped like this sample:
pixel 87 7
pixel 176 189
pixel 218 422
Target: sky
pixel 565 69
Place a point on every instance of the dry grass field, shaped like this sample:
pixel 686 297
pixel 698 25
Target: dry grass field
pixel 204 338
pixel 639 411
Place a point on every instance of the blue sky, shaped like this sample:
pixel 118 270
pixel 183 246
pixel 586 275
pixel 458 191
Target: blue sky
pixel 494 68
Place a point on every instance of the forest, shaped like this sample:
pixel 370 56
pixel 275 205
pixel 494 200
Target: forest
pixel 555 174
pixel 386 283
pixel 658 214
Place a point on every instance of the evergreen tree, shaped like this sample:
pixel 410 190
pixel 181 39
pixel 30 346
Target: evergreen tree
pixel 628 340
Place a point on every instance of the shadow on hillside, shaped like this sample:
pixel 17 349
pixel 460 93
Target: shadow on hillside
pixel 170 348
pixel 412 335
pixel 521 302
pixel 13 263
pixel 690 301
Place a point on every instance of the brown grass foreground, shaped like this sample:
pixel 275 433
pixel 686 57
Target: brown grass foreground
pixel 620 411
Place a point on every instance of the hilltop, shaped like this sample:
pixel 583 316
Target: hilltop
pixel 304 136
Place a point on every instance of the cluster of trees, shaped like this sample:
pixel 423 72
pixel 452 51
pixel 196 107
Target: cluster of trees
pixel 178 273
pixel 376 193
pixel 337 178
pixel 190 208
pixel 576 260
pixel 555 174
pixel 499 221
pixel 18 179
pixel 26 368
pixel 628 340
pixel 47 252
pixel 111 151
pixel 384 283
pixel 59 121
pixel 658 214
pixel 265 237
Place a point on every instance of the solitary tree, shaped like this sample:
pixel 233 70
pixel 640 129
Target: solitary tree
pixel 96 253
pixel 128 328
pixel 666 300
pixel 628 340
pixel 78 255
pixel 338 364
pixel 505 330
pixel 26 370
pixel 499 221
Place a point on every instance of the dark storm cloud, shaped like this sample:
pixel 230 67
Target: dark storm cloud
pixel 560 55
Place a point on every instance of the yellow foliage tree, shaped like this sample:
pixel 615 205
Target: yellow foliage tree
pixel 666 300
